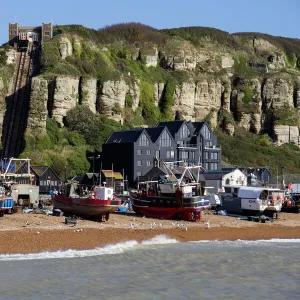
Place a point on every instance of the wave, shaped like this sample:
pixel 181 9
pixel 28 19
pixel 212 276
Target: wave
pixel 245 242
pixel 107 250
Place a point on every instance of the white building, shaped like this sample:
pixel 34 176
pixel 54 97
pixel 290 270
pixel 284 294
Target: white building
pixel 235 177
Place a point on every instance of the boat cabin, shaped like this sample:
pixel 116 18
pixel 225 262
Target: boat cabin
pixel 261 193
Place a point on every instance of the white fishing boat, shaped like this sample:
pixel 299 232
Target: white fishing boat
pixel 250 200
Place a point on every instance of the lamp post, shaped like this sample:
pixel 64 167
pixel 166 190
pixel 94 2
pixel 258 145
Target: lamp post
pixel 93 158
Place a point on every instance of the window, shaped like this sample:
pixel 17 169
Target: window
pixel 11 32
pixel 184 155
pixel 144 140
pixel 148 152
pixel 205 155
pixel 139 152
pixel 206 166
pixel 214 166
pixel 47 33
pixel 184 132
pixel 157 154
pixel 215 155
pixel 165 140
pixel 170 154
pixel 148 163
pixel 206 132
pixel 139 163
pixel 192 155
pixel 138 173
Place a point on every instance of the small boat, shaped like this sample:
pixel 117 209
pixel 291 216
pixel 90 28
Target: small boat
pixel 251 200
pixel 96 205
pixel 292 201
pixel 171 197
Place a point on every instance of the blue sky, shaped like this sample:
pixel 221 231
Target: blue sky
pixel 276 17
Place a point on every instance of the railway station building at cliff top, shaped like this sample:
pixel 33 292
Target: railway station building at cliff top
pixel 138 150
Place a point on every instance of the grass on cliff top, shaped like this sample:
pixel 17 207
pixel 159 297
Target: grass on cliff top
pixel 130 32
pixel 139 34
pixel 247 150
pixel 289 45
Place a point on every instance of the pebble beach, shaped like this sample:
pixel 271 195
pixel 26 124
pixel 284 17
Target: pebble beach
pixel 34 233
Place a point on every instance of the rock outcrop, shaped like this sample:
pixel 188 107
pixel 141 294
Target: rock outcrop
pixel 89 93
pixel 38 106
pixel 65 47
pixel 112 98
pixel 286 134
pixel 66 96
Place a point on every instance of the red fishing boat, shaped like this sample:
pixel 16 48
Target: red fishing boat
pixel 96 205
pixel 171 197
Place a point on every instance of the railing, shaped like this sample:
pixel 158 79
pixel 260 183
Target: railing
pixel 218 147
pixel 187 146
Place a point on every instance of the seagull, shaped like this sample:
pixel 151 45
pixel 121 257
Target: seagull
pixel 185 228
pixel 207 224
pixel 160 225
pixel 38 232
pixel 27 223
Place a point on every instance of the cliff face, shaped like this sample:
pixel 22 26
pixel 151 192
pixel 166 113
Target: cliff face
pixel 229 86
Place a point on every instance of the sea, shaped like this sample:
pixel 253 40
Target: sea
pixel 160 268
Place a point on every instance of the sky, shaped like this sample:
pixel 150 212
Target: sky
pixel 275 17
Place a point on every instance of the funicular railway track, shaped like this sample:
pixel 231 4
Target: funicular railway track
pixel 18 104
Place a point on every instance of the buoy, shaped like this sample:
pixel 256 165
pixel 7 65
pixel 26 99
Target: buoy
pixel 268 203
pixel 289 202
pixel 279 198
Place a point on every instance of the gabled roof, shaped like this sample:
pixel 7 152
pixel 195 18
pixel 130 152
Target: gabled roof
pixel 173 126
pixel 155 132
pixel 124 136
pixel 39 170
pixel 198 126
pixel 90 175
pixel 111 174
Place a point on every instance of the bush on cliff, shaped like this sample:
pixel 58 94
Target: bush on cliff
pixel 58 148
pixel 94 128
pixel 245 149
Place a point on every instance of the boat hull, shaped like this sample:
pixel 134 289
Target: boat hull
pixel 90 208
pixel 168 207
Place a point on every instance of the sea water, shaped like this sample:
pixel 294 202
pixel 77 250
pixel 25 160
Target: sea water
pixel 160 268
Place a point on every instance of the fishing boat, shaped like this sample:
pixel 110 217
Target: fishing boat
pixel 292 200
pixel 98 204
pixel 171 197
pixel 251 200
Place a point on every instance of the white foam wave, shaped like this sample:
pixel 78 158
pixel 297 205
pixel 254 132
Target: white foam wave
pixel 251 241
pixel 107 250
pixel 159 240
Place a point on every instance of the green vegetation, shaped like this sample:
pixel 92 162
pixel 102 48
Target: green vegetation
pixel 168 101
pixel 241 68
pixel 58 148
pixel 118 52
pixel 94 128
pixel 247 149
pixel 285 116
pixel 248 95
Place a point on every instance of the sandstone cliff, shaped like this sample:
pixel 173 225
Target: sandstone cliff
pixel 232 80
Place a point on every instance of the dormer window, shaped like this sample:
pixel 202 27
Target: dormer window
pixel 184 132
pixel 144 141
